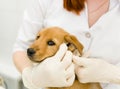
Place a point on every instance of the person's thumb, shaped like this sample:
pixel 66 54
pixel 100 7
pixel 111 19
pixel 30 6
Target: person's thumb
pixel 61 52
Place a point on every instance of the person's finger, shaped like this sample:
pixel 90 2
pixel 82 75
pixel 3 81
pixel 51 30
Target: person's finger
pixel 61 52
pixel 80 61
pixel 67 60
pixel 70 71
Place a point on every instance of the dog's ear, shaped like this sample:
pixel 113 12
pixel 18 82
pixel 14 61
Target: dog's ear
pixel 73 43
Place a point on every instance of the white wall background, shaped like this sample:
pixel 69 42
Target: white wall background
pixel 11 13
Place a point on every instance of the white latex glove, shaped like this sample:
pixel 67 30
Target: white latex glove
pixel 56 71
pixel 96 70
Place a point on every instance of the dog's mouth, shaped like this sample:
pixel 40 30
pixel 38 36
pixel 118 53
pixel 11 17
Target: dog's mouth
pixel 33 59
pixel 37 59
pixel 30 57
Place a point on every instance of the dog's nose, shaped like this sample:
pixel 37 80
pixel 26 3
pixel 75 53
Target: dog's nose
pixel 30 51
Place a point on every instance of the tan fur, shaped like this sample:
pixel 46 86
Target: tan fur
pixel 58 36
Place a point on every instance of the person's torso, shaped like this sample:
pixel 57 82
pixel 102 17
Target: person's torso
pixel 102 39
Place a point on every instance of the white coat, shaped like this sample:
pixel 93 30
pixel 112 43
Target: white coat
pixel 102 39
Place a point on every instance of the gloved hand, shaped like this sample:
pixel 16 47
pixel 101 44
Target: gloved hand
pixel 96 70
pixel 56 71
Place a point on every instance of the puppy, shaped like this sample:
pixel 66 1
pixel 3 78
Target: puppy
pixel 46 45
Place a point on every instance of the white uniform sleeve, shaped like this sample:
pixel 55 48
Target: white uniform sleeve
pixel 32 22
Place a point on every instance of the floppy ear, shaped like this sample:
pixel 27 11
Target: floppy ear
pixel 73 43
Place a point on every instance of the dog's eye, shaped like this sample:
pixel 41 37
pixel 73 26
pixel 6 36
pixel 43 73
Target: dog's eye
pixel 51 43
pixel 37 37
pixel 68 44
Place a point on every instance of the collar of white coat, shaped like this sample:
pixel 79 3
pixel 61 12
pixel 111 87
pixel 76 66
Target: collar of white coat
pixel 113 3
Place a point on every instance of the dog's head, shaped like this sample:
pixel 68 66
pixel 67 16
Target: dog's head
pixel 48 41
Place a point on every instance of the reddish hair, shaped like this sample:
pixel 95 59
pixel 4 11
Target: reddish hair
pixel 74 5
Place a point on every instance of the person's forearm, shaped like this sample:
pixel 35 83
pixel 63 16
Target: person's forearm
pixel 21 61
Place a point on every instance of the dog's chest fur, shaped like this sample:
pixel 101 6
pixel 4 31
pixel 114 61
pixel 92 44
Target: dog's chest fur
pixel 78 85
